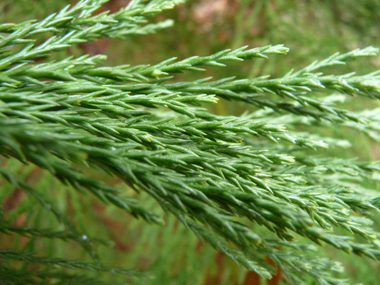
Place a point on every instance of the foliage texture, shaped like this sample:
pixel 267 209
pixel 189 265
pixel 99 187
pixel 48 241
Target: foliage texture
pixel 252 186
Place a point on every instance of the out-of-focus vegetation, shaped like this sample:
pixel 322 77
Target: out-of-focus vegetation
pixel 312 29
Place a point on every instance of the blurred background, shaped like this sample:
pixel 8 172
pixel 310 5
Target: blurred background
pixel 312 29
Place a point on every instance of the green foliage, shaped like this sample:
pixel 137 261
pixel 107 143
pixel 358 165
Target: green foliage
pixel 251 186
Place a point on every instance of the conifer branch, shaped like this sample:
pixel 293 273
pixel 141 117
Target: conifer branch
pixel 8 254
pixel 216 174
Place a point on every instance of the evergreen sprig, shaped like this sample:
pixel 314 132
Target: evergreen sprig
pixel 246 185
